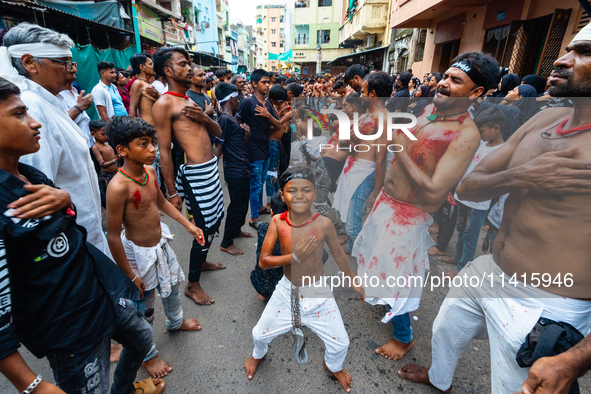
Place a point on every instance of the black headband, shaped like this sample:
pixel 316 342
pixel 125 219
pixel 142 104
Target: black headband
pixel 471 71
pixel 306 174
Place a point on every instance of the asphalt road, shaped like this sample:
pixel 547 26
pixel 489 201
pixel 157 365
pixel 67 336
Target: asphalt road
pixel 211 360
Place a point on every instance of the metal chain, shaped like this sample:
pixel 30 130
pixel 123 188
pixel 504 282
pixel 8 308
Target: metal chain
pixel 296 318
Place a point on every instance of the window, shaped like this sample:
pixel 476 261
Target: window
pixel 273 31
pixel 207 10
pixel 273 44
pixel 281 44
pixel 324 3
pixel 273 19
pixel 281 18
pixel 323 37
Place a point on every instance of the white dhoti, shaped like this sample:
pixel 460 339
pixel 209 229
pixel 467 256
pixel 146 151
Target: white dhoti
pixel 391 250
pixel 319 312
pixel 354 173
pixel 156 265
pixel 505 315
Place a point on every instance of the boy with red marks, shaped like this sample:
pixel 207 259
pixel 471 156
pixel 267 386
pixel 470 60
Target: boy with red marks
pixel 299 300
pixel 142 249
pixel 395 236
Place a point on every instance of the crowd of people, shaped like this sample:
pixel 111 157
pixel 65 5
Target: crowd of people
pixel 472 158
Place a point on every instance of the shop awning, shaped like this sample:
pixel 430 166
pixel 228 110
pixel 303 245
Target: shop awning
pixel 340 59
pixel 206 59
pixel 283 57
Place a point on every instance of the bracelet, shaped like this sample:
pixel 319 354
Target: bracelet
pixel 33 385
pixel 173 195
pixel 295 258
pixel 133 280
pixel 78 108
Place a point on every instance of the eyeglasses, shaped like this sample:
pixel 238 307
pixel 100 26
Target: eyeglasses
pixel 68 64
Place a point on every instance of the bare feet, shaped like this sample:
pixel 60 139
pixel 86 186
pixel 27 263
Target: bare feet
pixel 433 251
pixel 434 228
pixel 395 350
pixel 342 376
pixel 262 297
pixel 232 249
pixel 417 374
pixel 197 294
pixel 342 239
pixel 209 266
pixel 115 352
pixel 156 367
pixel 244 234
pixel 251 365
pixel 451 274
pixel 190 325
pixel 448 260
pixel 346 250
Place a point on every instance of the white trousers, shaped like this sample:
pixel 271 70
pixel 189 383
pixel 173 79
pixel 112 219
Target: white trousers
pixel 319 312
pixel 504 314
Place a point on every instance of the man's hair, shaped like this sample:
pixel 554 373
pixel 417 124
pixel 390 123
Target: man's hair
pixel 338 85
pixel 223 89
pixel 485 63
pixel 380 82
pixel 194 66
pixel 277 93
pixel 162 58
pixel 121 130
pixel 258 74
pixel 228 72
pixel 235 78
pixel 7 89
pixel 294 88
pixel 271 74
pixel 281 79
pixel 290 80
pixel 104 66
pixel 438 77
pixel 404 78
pixel 137 60
pixel 278 206
pixel 356 69
pixel 299 171
pixel 28 33
pixel 361 103
pixel 220 74
pixel 96 124
pixel 490 117
pixel 124 73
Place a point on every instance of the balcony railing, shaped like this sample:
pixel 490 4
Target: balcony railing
pixel 302 41
pixel 259 21
pixel 302 3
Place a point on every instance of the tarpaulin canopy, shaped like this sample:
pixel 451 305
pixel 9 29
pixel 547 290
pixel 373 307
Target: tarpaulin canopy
pixel 87 57
pixel 108 12
pixel 283 57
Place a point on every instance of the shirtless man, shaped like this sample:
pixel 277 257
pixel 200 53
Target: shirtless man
pixel 395 237
pixel 295 296
pixel 544 234
pixel 140 102
pixel 175 115
pixel 364 173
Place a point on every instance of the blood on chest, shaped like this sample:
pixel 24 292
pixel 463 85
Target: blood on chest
pixel 432 146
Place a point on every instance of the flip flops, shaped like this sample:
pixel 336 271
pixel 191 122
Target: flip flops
pixel 146 386
pixel 265 211
pixel 255 224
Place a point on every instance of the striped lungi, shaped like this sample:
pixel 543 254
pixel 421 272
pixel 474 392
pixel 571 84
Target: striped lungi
pixel 199 185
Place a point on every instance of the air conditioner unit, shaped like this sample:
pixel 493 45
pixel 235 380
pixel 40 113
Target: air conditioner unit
pixel 370 41
pixel 228 49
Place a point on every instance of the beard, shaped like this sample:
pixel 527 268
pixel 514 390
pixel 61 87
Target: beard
pixel 569 88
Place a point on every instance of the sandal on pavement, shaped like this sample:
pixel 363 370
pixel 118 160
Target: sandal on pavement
pixel 147 386
pixel 255 224
pixel 265 211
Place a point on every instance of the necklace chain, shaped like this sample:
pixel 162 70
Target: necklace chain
pixel 135 180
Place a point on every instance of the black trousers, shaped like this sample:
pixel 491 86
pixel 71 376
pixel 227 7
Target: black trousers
pixel 239 190
pixel 446 216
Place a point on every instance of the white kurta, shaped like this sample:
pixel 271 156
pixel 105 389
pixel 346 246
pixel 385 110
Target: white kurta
pixel 64 158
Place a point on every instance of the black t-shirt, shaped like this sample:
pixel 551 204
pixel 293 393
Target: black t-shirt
pixel 258 144
pixel 59 291
pixel 200 99
pixel 400 101
pixel 236 163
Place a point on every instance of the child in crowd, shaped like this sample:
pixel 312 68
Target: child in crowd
pixel 59 296
pixel 104 153
pixel 142 249
pixel 471 215
pixel 294 302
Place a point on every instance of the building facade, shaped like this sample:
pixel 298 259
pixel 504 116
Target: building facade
pixel 273 24
pixel 525 36
pixel 205 23
pixel 315 33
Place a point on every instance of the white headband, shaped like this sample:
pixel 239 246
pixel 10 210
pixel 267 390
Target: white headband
pixel 228 97
pixel 39 49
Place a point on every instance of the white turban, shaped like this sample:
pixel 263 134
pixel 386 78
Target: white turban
pixel 584 34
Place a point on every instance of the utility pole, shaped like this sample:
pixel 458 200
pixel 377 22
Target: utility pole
pixel 319 48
